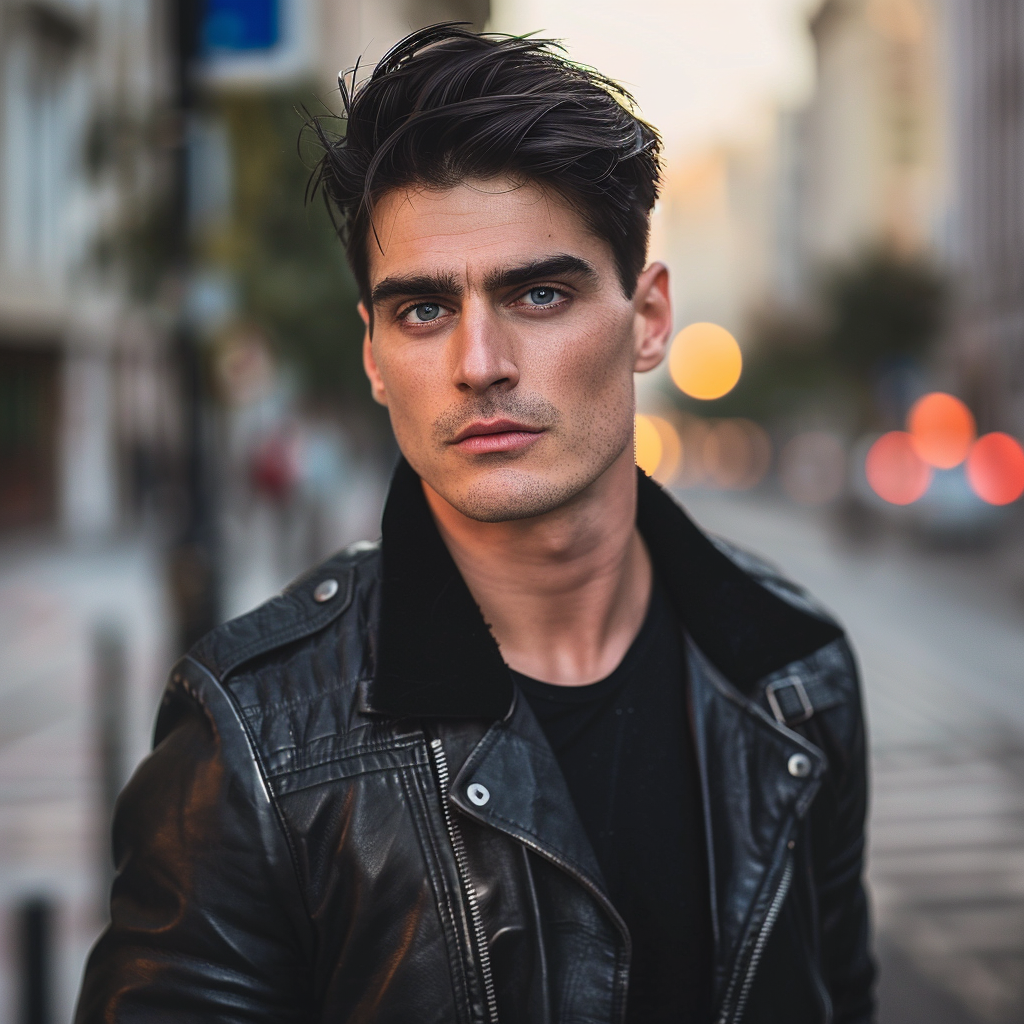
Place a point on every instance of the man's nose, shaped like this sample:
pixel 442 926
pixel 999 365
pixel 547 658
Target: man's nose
pixel 482 350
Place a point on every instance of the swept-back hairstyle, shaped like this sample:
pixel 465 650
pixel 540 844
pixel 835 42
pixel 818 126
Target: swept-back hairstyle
pixel 447 104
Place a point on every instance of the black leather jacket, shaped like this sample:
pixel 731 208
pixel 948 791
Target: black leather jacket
pixel 349 816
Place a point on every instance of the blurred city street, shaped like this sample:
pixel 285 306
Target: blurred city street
pixel 940 638
pixel 185 423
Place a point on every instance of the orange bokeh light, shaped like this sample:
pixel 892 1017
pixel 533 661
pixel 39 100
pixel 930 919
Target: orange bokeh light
pixel 942 429
pixel 895 471
pixel 995 468
pixel 705 361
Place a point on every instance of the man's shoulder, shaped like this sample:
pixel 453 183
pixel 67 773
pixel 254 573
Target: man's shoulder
pixel 302 611
pixel 293 667
pixel 772 578
pixel 825 679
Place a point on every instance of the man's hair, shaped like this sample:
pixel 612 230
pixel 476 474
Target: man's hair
pixel 448 104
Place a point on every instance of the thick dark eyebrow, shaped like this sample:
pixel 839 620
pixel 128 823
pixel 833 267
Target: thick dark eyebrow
pixel 550 266
pixel 442 284
pixel 409 287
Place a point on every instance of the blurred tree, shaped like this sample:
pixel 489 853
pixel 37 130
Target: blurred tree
pixel 787 368
pixel 290 267
pixel 882 308
pixel 878 312
pixel 131 155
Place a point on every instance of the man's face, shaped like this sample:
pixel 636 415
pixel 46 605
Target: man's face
pixel 503 345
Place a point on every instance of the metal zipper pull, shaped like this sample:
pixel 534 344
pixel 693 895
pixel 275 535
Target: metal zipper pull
pixel 459 849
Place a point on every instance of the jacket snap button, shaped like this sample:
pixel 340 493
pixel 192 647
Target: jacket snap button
pixel 478 794
pixel 325 590
pixel 799 766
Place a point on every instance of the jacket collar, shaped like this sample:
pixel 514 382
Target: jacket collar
pixel 437 657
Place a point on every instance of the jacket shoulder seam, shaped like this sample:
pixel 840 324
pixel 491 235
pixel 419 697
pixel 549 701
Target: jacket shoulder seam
pixel 304 614
pixel 288 634
pixel 270 706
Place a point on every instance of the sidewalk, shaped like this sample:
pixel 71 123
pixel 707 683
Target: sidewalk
pixel 55 602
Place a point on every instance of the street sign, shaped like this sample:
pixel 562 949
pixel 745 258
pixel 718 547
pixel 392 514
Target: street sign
pixel 256 43
pixel 240 26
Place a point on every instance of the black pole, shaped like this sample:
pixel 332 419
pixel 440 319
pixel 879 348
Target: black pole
pixel 110 707
pixel 35 919
pixel 193 562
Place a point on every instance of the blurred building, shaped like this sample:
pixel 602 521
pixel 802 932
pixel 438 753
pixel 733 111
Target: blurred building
pixel 712 227
pixel 77 88
pixel 864 163
pixel 914 137
pixel 86 418
pixel 869 149
pixel 986 244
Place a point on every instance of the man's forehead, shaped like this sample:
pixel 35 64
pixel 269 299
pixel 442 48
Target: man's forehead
pixel 474 231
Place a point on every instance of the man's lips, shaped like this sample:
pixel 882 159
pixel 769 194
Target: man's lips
pixel 496 436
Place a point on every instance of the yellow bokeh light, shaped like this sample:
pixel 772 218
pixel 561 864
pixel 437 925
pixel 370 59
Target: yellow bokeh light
pixel 671 449
pixel 705 361
pixel 648 445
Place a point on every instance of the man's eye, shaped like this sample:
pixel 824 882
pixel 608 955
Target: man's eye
pixel 423 313
pixel 541 296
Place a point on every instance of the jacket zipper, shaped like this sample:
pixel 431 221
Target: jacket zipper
pixel 759 943
pixel 623 968
pixel 459 849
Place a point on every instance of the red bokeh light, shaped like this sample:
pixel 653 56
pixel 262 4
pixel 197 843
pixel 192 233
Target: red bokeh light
pixel 995 468
pixel 942 429
pixel 894 470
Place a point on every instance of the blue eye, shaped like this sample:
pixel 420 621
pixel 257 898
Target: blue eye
pixel 541 296
pixel 424 312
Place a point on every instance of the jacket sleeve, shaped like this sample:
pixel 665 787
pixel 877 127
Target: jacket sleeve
pixel 842 901
pixel 206 915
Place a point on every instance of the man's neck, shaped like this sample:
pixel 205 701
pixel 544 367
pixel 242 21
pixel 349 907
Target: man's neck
pixel 564 593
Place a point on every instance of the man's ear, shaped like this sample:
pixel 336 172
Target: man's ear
pixel 652 317
pixel 369 363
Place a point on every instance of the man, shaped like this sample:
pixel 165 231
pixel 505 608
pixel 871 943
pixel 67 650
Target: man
pixel 545 753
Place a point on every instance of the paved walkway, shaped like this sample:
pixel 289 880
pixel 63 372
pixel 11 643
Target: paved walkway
pixel 54 840
pixel 941 643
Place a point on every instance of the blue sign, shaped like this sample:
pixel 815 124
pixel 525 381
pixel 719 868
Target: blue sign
pixel 240 25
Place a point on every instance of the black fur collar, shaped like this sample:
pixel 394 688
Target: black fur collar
pixel 437 658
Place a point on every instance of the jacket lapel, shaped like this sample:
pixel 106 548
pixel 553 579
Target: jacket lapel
pixel 752 802
pixel 528 799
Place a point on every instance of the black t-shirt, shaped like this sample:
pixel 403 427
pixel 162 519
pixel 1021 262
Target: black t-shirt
pixel 626 749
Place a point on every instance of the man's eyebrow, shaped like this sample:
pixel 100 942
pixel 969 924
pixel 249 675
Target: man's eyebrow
pixel 420 284
pixel 550 266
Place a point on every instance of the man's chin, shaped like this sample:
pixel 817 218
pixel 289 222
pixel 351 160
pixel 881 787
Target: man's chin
pixel 507 495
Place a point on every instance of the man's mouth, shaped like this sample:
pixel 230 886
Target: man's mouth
pixel 485 436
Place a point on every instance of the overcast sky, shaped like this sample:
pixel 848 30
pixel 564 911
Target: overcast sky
pixel 702 70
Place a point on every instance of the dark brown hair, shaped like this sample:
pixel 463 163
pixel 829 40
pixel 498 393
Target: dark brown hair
pixel 447 104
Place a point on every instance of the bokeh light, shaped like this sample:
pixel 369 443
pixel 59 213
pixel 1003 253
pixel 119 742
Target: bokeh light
pixel 705 361
pixel 812 467
pixel 895 471
pixel 693 433
pixel 737 454
pixel 671 449
pixel 995 468
pixel 942 429
pixel 648 445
